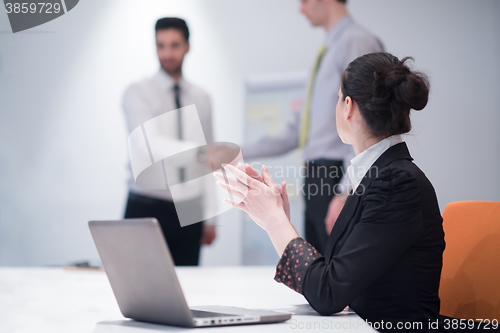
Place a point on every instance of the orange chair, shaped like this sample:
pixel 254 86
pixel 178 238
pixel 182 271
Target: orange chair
pixel 470 280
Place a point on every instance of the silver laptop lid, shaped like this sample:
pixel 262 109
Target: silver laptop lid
pixel 128 250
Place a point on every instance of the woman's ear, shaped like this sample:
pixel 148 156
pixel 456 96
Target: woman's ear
pixel 348 109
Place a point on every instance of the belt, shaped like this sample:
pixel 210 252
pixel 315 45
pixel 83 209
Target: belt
pixel 322 162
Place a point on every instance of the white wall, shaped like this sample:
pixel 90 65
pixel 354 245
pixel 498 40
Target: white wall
pixel 62 135
pixel 455 139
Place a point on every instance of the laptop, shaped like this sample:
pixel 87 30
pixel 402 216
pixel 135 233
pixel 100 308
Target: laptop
pixel 141 272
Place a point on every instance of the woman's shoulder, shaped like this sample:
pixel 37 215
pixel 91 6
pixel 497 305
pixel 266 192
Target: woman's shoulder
pixel 400 179
pixel 399 170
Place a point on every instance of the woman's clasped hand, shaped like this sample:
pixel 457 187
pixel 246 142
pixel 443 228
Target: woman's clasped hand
pixel 257 195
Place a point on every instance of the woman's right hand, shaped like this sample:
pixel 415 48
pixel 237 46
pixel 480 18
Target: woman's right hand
pixel 265 202
pixel 260 198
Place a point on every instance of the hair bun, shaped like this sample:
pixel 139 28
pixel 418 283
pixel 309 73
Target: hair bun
pixel 385 90
pixel 402 86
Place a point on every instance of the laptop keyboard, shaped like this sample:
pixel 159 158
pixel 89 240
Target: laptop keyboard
pixel 205 314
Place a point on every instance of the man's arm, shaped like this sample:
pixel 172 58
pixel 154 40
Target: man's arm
pixel 135 107
pixel 276 145
pixel 209 197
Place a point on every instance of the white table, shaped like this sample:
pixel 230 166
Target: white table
pixel 57 300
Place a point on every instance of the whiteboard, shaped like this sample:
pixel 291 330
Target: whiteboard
pixel 271 101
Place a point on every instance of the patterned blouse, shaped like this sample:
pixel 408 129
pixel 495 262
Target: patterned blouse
pixel 294 262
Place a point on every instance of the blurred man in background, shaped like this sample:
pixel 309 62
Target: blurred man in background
pixel 325 155
pixel 167 90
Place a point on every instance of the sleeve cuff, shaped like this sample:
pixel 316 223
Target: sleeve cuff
pixel 294 262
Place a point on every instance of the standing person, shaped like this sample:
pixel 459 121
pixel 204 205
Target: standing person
pixel 168 90
pixel 325 154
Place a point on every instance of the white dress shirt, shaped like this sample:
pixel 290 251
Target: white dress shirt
pixel 345 41
pixel 363 161
pixel 155 96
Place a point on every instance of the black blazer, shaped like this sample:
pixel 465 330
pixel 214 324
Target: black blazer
pixel 384 255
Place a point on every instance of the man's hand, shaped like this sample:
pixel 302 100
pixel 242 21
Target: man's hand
pixel 208 234
pixel 333 213
pixel 221 153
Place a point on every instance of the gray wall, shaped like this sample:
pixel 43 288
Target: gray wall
pixel 63 148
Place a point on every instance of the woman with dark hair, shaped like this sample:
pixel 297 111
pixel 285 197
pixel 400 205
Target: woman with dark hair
pixel 383 258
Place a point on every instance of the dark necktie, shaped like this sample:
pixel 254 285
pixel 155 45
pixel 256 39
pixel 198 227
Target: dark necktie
pixel 179 123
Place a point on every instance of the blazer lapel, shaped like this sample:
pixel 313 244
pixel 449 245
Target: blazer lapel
pixel 396 152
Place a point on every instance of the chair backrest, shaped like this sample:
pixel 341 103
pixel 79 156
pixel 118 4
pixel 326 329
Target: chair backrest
pixel 470 280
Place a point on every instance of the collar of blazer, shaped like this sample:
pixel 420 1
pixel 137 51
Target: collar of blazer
pixel 396 152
